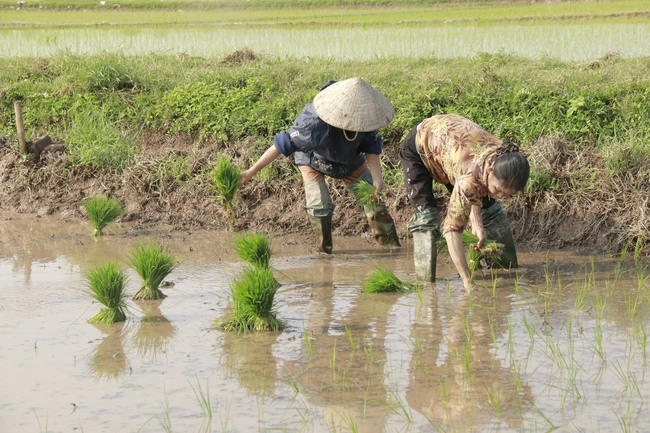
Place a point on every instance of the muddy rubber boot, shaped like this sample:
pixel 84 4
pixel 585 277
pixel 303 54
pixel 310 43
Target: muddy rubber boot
pixel 497 228
pixel 323 230
pixel 425 252
pixel 382 225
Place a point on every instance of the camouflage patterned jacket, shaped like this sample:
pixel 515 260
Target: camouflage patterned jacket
pixel 457 151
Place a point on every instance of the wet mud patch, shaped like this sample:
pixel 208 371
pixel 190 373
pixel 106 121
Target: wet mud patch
pixel 169 184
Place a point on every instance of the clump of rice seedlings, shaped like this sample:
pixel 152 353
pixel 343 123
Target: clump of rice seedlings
pixel 491 250
pixel 252 302
pixel 153 264
pixel 254 248
pixel 106 285
pixel 366 194
pixel 225 178
pixel 384 280
pixel 102 211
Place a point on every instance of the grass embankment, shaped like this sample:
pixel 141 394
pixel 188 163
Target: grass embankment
pixel 585 126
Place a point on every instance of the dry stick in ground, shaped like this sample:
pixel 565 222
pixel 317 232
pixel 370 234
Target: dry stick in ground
pixel 20 127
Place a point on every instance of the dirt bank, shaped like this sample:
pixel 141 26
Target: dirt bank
pixel 153 194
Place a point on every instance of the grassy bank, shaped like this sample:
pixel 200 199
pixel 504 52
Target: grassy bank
pixel 586 126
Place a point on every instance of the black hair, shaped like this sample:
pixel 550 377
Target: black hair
pixel 512 168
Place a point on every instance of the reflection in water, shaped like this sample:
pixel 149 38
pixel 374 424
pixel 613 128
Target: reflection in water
pixel 154 332
pixel 109 360
pixel 563 344
pixel 343 369
pixel 249 359
pixel 456 380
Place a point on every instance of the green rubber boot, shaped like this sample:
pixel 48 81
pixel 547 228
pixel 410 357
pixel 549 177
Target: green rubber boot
pixel 425 228
pixel 424 255
pixel 497 228
pixel 320 208
pixel 323 230
pixel 382 225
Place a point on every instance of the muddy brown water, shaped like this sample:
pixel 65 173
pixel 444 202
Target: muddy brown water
pixel 560 344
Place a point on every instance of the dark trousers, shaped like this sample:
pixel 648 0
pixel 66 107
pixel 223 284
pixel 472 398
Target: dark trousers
pixel 418 180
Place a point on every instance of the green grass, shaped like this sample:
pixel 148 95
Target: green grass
pixel 253 248
pixel 102 211
pixel 318 12
pixel 598 108
pixel 253 295
pixel 94 140
pixel 106 284
pixel 383 279
pixel 152 264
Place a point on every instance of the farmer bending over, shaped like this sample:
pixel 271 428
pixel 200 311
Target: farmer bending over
pixel 336 136
pixel 476 168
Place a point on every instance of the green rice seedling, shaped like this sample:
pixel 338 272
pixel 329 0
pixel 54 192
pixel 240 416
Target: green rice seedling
pixel 366 194
pixel 490 250
pixel 308 338
pixel 384 280
pixel 252 298
pixel 102 211
pixel 225 177
pixel 153 264
pixel 106 285
pixel 254 248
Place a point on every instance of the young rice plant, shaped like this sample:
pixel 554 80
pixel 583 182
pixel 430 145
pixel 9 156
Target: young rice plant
pixel 153 264
pixel 366 194
pixel 253 295
pixel 384 280
pixel 225 178
pixel 106 285
pixel 102 211
pixel 489 250
pixel 254 248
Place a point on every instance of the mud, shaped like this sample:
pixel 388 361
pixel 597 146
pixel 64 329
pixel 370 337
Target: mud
pixel 154 194
pixel 525 356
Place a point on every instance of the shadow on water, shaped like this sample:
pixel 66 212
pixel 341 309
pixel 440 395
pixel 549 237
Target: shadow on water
pixel 550 345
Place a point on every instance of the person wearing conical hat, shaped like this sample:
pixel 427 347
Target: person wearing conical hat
pixel 336 135
pixel 477 169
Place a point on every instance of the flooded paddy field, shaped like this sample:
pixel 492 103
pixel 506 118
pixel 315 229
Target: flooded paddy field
pixel 559 344
pixel 563 41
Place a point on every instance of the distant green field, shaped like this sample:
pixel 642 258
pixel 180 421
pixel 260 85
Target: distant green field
pixel 94 13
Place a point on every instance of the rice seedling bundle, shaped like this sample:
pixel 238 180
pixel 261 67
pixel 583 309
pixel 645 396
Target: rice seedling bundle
pixel 366 194
pixel 106 285
pixel 253 295
pixel 225 181
pixel 490 249
pixel 384 280
pixel 153 264
pixel 102 211
pixel 254 248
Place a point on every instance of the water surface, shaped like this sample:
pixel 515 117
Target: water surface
pixel 561 343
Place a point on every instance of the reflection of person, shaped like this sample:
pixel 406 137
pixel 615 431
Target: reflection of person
pixel 336 136
pixel 476 168
pixel 341 368
pixel 456 379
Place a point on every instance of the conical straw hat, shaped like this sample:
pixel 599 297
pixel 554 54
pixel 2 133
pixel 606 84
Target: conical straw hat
pixel 353 105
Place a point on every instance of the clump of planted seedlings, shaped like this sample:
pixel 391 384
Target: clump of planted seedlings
pixel 225 177
pixel 253 248
pixel 102 211
pixel 106 285
pixel 366 194
pixel 153 264
pixel 253 294
pixel 383 279
pixel 490 250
